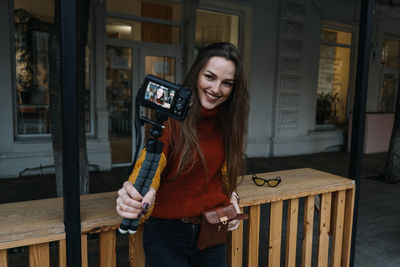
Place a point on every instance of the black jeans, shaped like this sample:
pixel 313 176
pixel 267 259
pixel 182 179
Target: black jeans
pixel 173 243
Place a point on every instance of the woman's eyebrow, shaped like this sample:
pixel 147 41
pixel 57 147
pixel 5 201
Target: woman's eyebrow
pixel 213 74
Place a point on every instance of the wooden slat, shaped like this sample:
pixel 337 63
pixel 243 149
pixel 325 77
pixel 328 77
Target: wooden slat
pixel 3 258
pixel 39 255
pixel 308 231
pixel 291 236
pixel 62 253
pixel 253 236
pixel 136 251
pixel 324 226
pixel 98 212
pixel 347 227
pixel 44 219
pixel 337 229
pixel 107 249
pixel 236 247
pixel 31 222
pixel 84 248
pixel 31 240
pixel 275 234
pixel 295 184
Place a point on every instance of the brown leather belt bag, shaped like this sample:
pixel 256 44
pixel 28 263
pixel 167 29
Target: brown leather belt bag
pixel 214 225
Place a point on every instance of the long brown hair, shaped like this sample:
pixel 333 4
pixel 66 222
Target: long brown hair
pixel 233 111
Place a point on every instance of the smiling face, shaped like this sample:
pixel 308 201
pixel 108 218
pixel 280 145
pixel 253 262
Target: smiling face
pixel 215 82
pixel 160 93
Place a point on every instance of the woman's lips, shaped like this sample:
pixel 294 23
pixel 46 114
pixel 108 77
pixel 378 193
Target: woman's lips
pixel 211 98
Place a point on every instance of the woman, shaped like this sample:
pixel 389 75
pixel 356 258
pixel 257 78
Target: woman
pixel 203 158
pixel 160 96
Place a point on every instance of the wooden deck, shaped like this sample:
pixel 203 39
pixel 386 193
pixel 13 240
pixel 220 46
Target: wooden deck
pixel 36 223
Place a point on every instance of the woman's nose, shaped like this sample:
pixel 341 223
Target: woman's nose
pixel 216 87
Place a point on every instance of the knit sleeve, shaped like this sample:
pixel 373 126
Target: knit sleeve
pixel 160 168
pixel 156 179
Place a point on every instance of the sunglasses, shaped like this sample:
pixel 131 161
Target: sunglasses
pixel 270 182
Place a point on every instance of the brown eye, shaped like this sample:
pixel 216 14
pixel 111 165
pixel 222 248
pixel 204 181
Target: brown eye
pixel 208 77
pixel 228 84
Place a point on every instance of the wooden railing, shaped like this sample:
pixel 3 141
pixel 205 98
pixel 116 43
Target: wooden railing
pixel 38 223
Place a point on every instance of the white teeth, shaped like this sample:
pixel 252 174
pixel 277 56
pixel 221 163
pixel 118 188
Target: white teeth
pixel 211 96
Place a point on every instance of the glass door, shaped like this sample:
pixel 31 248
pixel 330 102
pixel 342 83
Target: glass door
pixel 122 87
pixel 390 74
pixel 165 64
pixel 119 102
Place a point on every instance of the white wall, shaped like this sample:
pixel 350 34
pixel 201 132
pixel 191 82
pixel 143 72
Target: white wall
pixel 303 139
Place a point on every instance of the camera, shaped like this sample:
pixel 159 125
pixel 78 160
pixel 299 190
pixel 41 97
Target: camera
pixel 165 97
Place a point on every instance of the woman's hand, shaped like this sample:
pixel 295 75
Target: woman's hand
pixel 130 204
pixel 234 224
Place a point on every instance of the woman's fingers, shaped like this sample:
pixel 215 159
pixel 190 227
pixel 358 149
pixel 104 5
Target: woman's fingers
pixel 129 201
pixel 127 211
pixel 131 191
pixel 148 198
pixel 130 204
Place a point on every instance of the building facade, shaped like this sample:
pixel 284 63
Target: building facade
pixel 300 59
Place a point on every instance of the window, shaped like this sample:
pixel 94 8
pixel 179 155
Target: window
pixel 147 21
pixel 214 26
pixel 333 76
pixel 390 74
pixel 32 24
pixel 390 53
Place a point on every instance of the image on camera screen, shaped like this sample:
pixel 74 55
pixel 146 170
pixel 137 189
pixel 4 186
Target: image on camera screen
pixel 159 95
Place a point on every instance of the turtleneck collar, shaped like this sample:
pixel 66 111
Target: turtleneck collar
pixel 207 113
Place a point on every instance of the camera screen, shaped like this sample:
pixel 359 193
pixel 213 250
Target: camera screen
pixel 159 95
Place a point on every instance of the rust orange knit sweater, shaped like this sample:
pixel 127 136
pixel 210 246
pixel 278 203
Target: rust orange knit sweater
pixel 191 192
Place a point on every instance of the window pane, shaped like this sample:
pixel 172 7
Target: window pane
pixel 388 93
pixel 40 9
pixel 32 69
pixel 334 36
pixel 216 27
pixel 333 80
pixel 390 53
pixel 167 10
pixel 142 31
pixel 163 67
pixel 32 23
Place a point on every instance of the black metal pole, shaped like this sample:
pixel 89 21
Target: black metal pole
pixel 72 219
pixel 359 107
